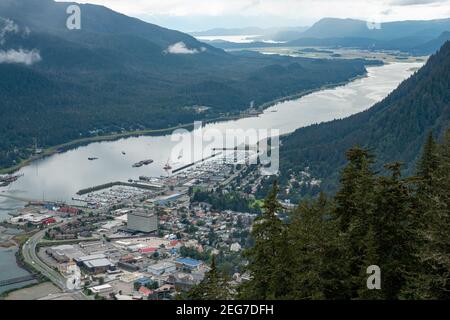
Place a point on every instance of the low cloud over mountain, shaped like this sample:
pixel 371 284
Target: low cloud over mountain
pixel 27 57
pixel 23 56
pixel 181 48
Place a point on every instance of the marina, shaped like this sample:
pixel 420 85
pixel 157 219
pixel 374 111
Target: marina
pixel 58 178
pixel 61 176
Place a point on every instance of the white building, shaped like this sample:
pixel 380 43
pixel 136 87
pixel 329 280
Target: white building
pixel 101 289
pixel 235 247
pixel 162 268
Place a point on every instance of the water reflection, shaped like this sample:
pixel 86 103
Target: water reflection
pixel 59 177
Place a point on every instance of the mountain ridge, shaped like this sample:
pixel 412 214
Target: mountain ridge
pixel 394 129
pixel 59 85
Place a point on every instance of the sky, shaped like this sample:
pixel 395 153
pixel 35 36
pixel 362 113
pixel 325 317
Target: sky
pixel 199 15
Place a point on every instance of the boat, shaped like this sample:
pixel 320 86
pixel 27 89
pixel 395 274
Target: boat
pixel 92 158
pixel 123 152
pixel 142 163
pixel 167 167
pixel 8 179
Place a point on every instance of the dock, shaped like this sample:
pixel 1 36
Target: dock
pixel 196 162
pixel 118 183
pixel 8 282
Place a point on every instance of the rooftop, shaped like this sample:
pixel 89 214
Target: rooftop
pixel 98 263
pixel 188 262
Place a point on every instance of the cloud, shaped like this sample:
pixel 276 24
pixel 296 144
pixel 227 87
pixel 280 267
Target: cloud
pixel 21 56
pixel 196 15
pixel 7 26
pixel 180 48
pixel 414 2
pixel 27 57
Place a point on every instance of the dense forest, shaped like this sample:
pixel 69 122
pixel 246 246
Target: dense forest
pixel 394 129
pixel 324 249
pixel 117 74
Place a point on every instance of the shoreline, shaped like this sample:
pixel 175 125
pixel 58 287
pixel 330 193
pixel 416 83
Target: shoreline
pixel 113 137
pixel 73 144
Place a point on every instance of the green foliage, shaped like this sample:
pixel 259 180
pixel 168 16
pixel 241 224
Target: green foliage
pixel 268 257
pixel 400 224
pixel 115 75
pixel 234 201
pixel 431 281
pixel 394 129
pixel 215 286
pixel 193 253
pixel 316 248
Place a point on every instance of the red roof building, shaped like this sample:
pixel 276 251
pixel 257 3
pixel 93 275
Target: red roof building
pixel 174 243
pixel 148 250
pixel 69 210
pixel 48 221
pixel 145 291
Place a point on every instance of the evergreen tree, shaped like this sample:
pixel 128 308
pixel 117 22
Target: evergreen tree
pixel 267 258
pixel 390 240
pixel 433 282
pixel 428 164
pixel 318 264
pixel 215 286
pixel 356 190
pixel 425 182
pixel 354 207
pixel 401 225
pixel 371 257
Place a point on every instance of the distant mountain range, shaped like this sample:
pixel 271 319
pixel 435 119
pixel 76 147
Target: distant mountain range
pixel 343 28
pixel 121 74
pixel 415 37
pixel 394 129
pixel 275 34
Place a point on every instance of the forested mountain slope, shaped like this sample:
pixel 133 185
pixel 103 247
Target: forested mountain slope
pixel 394 129
pixel 119 73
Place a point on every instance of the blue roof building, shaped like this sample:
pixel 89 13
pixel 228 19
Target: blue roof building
pixel 188 263
pixel 144 281
pixel 165 200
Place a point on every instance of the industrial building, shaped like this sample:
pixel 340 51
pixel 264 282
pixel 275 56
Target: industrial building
pixel 162 268
pixel 97 263
pixel 142 220
pixel 64 253
pixel 105 288
pixel 187 264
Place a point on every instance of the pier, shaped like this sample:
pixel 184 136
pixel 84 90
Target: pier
pixel 118 183
pixel 196 162
pixel 16 280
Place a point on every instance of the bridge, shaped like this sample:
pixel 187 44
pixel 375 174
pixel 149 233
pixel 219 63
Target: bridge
pixel 16 280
